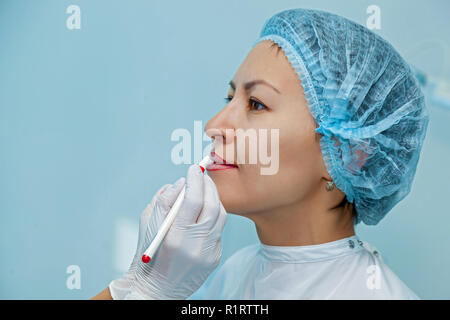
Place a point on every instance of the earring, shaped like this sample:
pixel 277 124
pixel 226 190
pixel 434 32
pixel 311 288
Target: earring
pixel 329 186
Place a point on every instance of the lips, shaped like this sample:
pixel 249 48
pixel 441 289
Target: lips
pixel 219 163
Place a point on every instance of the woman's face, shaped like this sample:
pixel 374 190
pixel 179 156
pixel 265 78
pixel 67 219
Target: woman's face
pixel 278 103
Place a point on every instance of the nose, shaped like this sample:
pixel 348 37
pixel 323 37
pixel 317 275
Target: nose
pixel 222 127
pixel 220 135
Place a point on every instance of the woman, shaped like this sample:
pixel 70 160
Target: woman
pixel 351 121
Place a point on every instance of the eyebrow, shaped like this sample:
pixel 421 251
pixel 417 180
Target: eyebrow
pixel 250 84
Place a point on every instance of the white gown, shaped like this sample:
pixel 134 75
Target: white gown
pixel 343 269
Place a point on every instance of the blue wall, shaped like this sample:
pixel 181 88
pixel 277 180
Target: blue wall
pixel 87 115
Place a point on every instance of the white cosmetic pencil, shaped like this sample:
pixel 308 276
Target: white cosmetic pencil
pixel 170 217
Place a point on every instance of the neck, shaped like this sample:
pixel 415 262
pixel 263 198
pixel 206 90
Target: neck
pixel 303 224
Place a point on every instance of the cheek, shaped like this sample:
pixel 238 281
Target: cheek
pixel 300 163
pixel 300 159
pixel 249 191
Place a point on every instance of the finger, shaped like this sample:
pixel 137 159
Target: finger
pixel 222 219
pixel 161 191
pixel 217 229
pixel 193 199
pixel 149 208
pixel 210 210
pixel 166 200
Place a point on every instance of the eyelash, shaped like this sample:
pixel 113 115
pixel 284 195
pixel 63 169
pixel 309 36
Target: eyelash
pixel 228 99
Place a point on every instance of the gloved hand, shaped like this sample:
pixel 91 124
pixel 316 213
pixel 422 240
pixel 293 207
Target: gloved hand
pixel 192 247
pixel 119 288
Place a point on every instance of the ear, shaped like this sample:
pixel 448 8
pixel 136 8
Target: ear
pixel 361 158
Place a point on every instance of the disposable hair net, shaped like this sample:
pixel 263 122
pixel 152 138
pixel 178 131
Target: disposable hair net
pixel 365 100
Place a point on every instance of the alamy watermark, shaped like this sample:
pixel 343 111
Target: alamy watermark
pixel 74 20
pixel 374 19
pixel 74 280
pixel 235 146
pixel 374 279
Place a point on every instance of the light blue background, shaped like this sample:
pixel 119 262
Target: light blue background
pixel 87 115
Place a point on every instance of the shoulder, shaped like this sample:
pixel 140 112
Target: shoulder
pixel 373 279
pixel 390 285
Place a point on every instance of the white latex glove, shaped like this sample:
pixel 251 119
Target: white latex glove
pixel 192 247
pixel 119 288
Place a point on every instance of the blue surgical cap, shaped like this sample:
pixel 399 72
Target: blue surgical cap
pixel 365 100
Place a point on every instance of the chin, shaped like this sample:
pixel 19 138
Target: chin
pixel 233 195
pixel 231 199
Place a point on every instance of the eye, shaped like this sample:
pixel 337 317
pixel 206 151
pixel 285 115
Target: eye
pixel 256 105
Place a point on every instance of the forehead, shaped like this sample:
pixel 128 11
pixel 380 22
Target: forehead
pixel 266 61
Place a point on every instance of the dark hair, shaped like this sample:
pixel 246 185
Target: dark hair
pixel 276 45
pixel 345 203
